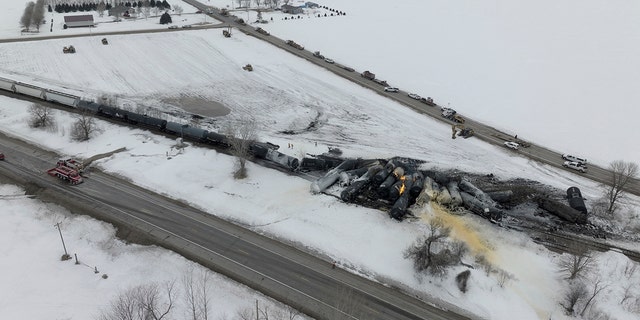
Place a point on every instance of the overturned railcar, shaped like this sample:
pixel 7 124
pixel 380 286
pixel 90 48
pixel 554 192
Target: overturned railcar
pixel 574 196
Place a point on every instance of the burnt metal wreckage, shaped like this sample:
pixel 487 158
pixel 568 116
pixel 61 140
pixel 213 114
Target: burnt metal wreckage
pixel 393 185
pixel 398 185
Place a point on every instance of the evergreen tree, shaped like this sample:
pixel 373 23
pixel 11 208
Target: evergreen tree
pixel 50 9
pixel 165 18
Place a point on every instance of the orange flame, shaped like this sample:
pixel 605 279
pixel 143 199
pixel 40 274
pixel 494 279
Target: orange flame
pixel 402 187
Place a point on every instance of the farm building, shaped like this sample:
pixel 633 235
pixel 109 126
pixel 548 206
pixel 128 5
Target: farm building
pixel 291 9
pixel 85 20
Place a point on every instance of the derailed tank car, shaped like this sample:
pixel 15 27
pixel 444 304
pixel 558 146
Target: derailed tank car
pixel 574 196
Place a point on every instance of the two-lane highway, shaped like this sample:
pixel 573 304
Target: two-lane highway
pixel 482 131
pixel 297 278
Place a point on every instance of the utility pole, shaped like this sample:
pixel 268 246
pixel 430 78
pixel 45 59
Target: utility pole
pixel 65 256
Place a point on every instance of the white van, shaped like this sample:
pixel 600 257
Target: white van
pixel 579 160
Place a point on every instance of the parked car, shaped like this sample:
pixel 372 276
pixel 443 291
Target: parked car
pixel 579 160
pixel 186 26
pixel 414 96
pixel 348 68
pixel 173 27
pixel 1 156
pixel 512 145
pixel 428 101
pixel 199 11
pixel 327 60
pixel 447 112
pixel 575 166
pixel 391 89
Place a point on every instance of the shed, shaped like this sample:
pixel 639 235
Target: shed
pixel 85 20
pixel 292 9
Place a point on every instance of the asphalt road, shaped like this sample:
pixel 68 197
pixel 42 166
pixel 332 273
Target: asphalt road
pixel 299 279
pixel 283 272
pixel 482 131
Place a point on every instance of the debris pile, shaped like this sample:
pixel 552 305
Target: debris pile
pixel 398 184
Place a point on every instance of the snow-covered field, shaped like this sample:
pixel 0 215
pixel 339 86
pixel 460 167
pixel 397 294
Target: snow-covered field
pixel 37 285
pixel 285 93
pixel 560 73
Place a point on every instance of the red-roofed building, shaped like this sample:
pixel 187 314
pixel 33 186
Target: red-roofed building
pixel 85 20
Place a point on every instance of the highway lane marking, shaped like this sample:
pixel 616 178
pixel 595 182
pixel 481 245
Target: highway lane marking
pixel 191 211
pixel 90 199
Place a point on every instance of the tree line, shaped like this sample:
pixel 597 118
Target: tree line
pixel 93 6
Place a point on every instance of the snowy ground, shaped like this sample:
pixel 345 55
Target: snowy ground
pixel 562 74
pixel 286 93
pixel 11 29
pixel 37 285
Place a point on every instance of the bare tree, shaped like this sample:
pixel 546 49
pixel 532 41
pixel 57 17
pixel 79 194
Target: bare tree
pixel 630 269
pixel 196 294
pixel 83 127
pixel 41 116
pixel 178 9
pixel 485 264
pixel 423 253
pixel 38 14
pixel 146 9
pixel 288 313
pixel 26 19
pixel 622 173
pixel 575 265
pixel 241 135
pixel 504 277
pixel 597 288
pixel 628 292
pixel 459 249
pixel 144 302
pixel 100 8
pixel 575 293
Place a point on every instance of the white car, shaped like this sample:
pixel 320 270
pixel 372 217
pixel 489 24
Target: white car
pixel 391 89
pixel 512 145
pixel 575 166
pixel 327 60
pixel 579 160
pixel 173 27
pixel 414 96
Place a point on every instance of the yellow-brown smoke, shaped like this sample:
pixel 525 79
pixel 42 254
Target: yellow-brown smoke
pixel 460 230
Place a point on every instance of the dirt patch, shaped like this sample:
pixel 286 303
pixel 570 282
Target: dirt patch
pixel 199 105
